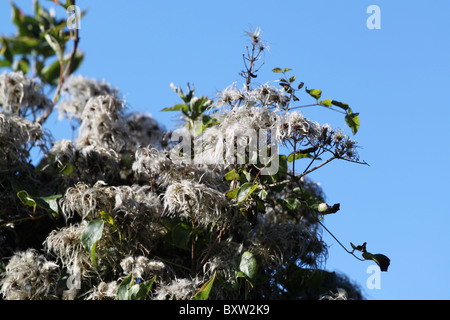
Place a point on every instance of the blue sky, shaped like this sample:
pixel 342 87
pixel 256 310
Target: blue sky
pixel 397 77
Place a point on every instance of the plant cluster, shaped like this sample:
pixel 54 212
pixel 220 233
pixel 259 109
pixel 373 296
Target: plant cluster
pixel 122 212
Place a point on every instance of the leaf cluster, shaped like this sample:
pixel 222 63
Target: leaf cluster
pixel 39 44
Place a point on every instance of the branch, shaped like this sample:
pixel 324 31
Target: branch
pixel 350 252
pixel 304 173
pixel 316 104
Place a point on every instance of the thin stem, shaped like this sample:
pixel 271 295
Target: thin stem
pixel 350 252
pixel 318 166
pixel 316 104
pixel 23 219
pixel 304 173
pixel 164 260
pixel 304 106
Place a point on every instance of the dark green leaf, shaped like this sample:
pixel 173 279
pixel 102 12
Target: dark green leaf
pixel 289 203
pixel 352 121
pixel 204 291
pixel 6 51
pixel 245 191
pixel 128 290
pixel 22 65
pixel 147 285
pixel 340 104
pixel 248 265
pixel 91 235
pixel 292 79
pixel 51 202
pixel 380 259
pixel 181 235
pixel 50 74
pixel 122 291
pixel 24 44
pixel 4 63
pixel 26 199
pixel 361 248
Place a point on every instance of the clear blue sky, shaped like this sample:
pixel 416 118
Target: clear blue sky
pixel 397 77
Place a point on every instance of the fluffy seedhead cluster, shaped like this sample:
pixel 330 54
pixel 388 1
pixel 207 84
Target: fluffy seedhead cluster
pixel 17 137
pixel 76 92
pixel 29 276
pixel 21 96
pixel 161 214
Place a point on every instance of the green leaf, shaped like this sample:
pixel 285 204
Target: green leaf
pixel 54 44
pixel 232 194
pixel 342 105
pixel 23 65
pixel 326 102
pixel 24 44
pixel 245 191
pixel 128 290
pixel 106 217
pixel 49 202
pixel 91 235
pixel 248 265
pixel 122 291
pixel 26 199
pixel 204 291
pixel 315 93
pixel 283 167
pixel 181 235
pixel 209 121
pixel 294 156
pixel 289 203
pixel 50 74
pixel 380 259
pixel 240 274
pixel 4 63
pixel 292 79
pixel 67 170
pixel 286 69
pixel 176 107
pixel 277 70
pixel 144 289
pixel 263 194
pixel 352 121
pixel 231 175
pixel 6 51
